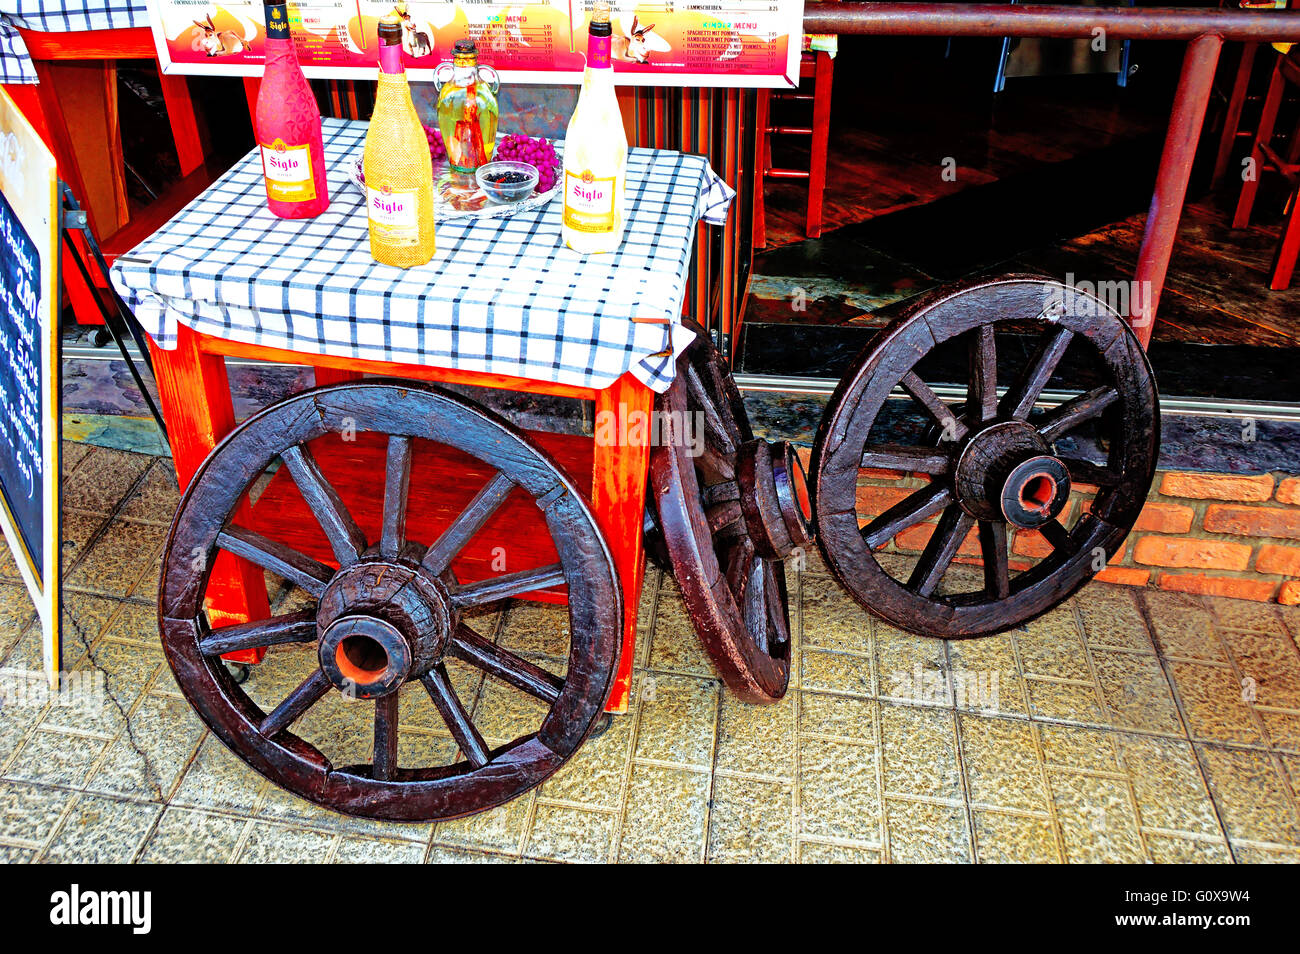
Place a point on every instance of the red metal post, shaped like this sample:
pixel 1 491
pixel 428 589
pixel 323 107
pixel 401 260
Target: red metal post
pixel 1171 180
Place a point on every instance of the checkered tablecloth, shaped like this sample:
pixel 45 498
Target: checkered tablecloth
pixel 57 16
pixel 503 296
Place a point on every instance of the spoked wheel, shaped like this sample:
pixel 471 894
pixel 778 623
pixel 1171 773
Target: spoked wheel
pixel 389 616
pixel 727 510
pixel 995 465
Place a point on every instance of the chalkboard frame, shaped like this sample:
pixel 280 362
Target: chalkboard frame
pixel 30 183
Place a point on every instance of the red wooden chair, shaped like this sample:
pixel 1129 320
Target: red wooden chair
pixel 820 67
pixel 1286 73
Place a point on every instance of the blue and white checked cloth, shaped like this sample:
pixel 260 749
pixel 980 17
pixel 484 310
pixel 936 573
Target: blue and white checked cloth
pixel 502 296
pixel 57 16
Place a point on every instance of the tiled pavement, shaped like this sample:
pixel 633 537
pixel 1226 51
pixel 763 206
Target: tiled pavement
pixel 1126 725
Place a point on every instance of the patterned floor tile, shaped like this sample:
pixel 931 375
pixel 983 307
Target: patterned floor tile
pixel 1096 817
pixel 562 833
pixel 831 619
pixel 1167 785
pixel 824 853
pixel 835 672
pixel 1003 769
pixel 925 833
pixel 1183 626
pixel 102 480
pixel 839 791
pixel 1136 692
pixel 759 740
pixel 266 843
pixel 751 821
pixel 919 752
pixel 102 830
pixel 1271 663
pixel 678 719
pixel 28 813
pixel 1018 839
pixel 1253 798
pixel 193 837
pixel 665 817
pixel 1169 850
pixel 376 851
pixel 1214 701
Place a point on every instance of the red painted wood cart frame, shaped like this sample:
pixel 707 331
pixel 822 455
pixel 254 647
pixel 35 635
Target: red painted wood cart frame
pixel 196 400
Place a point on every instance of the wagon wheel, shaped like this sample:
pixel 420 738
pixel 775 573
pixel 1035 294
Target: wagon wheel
pixel 726 510
pixel 995 466
pixel 388 618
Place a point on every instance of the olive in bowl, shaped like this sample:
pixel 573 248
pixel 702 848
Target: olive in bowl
pixel 507 182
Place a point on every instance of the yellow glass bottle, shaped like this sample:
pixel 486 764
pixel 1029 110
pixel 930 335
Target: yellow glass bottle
pixel 397 164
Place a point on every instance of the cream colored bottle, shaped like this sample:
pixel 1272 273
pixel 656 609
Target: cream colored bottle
pixel 595 151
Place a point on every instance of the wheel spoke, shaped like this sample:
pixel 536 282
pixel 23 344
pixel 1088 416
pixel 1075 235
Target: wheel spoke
pixel 723 514
pixel 776 613
pixel 906 513
pixel 345 537
pixel 920 460
pixel 295 704
pixel 939 552
pixel 469 646
pixel 1021 398
pixel 921 392
pixel 293 628
pixel 454 715
pixel 737 561
pixel 1056 535
pixel 713 421
pixel 1086 472
pixel 982 396
pixel 755 603
pixel 1066 417
pixel 283 560
pixel 471 520
pixel 397 484
pixel 508 585
pixel 386 737
pixel 993 549
pixel 715 464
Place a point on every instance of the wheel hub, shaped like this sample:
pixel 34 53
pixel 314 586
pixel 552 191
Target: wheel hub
pixel 1006 472
pixel 774 497
pixel 382 623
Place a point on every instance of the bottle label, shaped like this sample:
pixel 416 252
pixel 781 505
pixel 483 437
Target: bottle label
pixel 588 202
pixel 288 172
pixel 394 215
pixel 598 52
pixel 277 21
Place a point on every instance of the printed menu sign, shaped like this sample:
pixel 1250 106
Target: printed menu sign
pixel 29 366
pixel 669 43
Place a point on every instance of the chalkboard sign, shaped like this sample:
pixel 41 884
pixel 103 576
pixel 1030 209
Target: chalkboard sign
pixel 21 449
pixel 29 367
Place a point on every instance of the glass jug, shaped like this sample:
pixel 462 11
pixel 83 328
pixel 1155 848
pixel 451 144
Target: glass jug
pixel 467 108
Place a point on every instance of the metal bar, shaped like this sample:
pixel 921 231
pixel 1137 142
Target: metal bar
pixel 955 394
pixel 1149 23
pixel 1190 102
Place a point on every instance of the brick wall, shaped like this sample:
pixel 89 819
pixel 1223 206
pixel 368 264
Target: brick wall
pixel 1224 534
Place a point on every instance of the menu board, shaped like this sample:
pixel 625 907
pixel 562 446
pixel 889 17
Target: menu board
pixel 670 43
pixel 29 366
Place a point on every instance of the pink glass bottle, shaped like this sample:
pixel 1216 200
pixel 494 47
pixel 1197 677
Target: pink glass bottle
pixel 288 127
